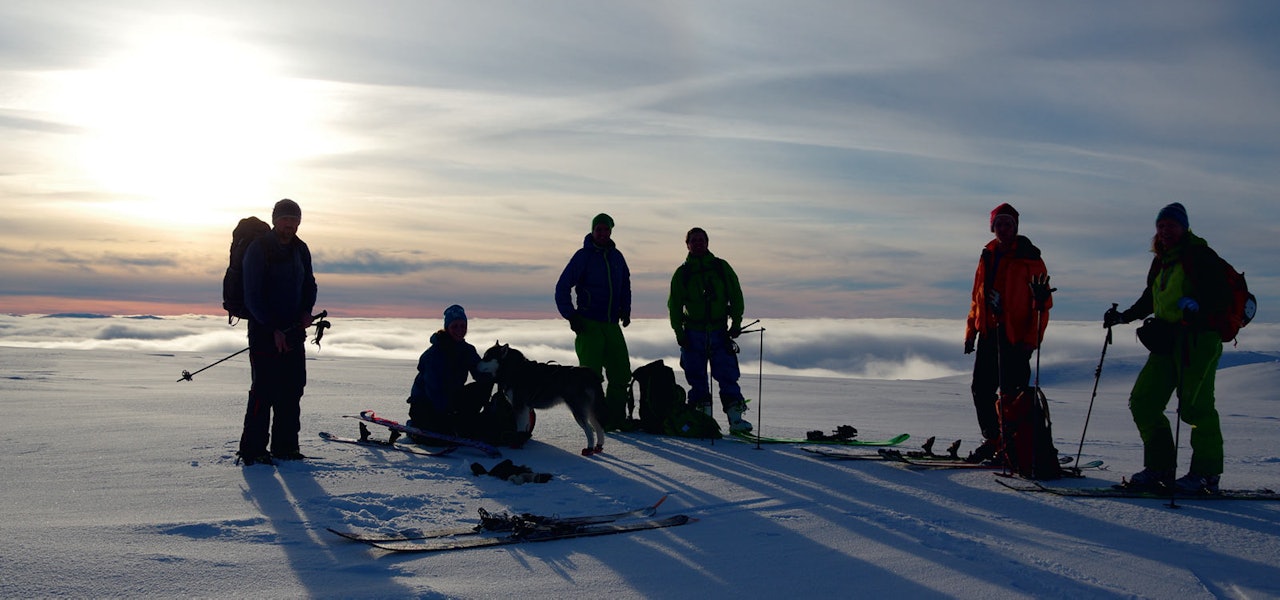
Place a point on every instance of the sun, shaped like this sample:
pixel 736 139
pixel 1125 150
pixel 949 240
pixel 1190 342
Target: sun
pixel 188 116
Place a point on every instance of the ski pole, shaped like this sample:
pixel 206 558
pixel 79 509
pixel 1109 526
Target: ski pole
pixel 316 320
pixel 759 375
pixel 1097 376
pixel 1182 363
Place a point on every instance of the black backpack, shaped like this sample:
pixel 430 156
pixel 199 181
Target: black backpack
pixel 660 395
pixel 1028 434
pixel 248 230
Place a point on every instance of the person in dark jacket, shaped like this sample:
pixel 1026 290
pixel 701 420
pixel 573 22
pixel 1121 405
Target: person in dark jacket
pixel 599 278
pixel 705 309
pixel 1185 286
pixel 1008 314
pixel 441 400
pixel 280 293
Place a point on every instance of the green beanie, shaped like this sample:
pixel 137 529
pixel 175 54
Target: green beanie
pixel 602 218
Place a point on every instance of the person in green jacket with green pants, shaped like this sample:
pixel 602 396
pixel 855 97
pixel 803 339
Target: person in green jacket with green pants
pixel 1185 286
pixel 705 309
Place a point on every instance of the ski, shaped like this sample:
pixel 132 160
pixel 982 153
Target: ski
pixel 917 463
pixel 1116 491
pixel 535 533
pixel 369 416
pixel 925 453
pixel 387 444
pixel 497 523
pixel 747 436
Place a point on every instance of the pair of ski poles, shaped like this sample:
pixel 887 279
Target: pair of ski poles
pixel 318 321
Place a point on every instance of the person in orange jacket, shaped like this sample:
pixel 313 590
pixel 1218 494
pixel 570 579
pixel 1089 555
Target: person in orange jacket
pixel 1008 313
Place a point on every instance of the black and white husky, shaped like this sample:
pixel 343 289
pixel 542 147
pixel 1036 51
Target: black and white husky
pixel 530 384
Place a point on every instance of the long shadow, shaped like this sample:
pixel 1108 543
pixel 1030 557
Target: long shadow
pixel 897 512
pixel 323 566
pixel 689 550
pixel 1071 519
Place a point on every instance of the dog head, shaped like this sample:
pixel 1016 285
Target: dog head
pixel 497 356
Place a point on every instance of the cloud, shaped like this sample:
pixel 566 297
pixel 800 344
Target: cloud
pixel 843 156
pixel 911 349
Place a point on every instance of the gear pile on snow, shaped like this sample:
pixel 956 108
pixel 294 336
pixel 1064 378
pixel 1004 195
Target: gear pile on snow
pixel 517 474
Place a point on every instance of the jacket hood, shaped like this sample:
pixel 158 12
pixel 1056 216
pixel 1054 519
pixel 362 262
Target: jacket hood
pixel 1022 247
pixel 589 243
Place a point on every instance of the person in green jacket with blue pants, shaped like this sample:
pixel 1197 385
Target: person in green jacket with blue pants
pixel 1185 286
pixel 705 308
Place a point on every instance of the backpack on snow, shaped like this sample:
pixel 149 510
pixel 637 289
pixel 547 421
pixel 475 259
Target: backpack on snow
pixel 1027 434
pixel 248 230
pixel 662 405
pixel 659 395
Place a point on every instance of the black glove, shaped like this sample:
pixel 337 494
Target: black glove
pixel 1113 317
pixel 993 300
pixel 682 338
pixel 735 331
pixel 626 319
pixel 968 344
pixel 1040 289
pixel 575 323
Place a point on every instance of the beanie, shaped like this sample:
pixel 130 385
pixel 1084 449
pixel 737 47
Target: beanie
pixel 1004 209
pixel 602 218
pixel 1174 212
pixel 453 313
pixel 286 208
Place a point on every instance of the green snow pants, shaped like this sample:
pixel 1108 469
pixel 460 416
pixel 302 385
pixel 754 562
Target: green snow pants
pixel 600 346
pixel 1189 371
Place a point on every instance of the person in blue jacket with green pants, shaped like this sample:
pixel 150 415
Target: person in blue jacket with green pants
pixel 601 282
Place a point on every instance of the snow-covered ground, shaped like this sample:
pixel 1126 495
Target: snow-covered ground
pixel 119 481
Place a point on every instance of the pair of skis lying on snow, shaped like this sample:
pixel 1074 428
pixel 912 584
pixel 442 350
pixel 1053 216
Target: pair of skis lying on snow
pixel 519 529
pixel 926 459
pixel 448 443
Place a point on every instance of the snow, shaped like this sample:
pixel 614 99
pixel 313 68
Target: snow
pixel 119 481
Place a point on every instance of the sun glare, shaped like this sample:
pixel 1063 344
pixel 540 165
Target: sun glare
pixel 186 118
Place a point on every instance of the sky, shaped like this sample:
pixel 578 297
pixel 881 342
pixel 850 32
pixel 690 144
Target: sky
pixel 843 156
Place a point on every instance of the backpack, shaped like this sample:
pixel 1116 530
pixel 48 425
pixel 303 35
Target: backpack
pixel 687 421
pixel 1027 434
pixel 1240 309
pixel 248 230
pixel 659 395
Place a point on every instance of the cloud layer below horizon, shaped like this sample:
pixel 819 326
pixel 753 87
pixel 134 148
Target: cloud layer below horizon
pixel 908 349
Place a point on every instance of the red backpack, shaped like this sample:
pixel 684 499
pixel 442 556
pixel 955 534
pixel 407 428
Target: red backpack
pixel 1241 307
pixel 1027 434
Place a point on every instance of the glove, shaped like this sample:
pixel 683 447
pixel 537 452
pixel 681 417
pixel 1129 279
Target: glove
pixel 1112 317
pixel 1188 304
pixel 626 319
pixel 993 300
pixel 735 331
pixel 968 344
pixel 681 338
pixel 575 323
pixel 1040 289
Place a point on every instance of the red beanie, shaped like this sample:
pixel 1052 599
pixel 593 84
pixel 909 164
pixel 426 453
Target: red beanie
pixel 1004 209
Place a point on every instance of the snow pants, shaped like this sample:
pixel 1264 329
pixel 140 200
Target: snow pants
pixel 601 347
pixel 716 347
pixel 274 411
pixel 1190 372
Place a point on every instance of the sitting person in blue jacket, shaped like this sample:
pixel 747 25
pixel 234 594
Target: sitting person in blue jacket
pixel 442 401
